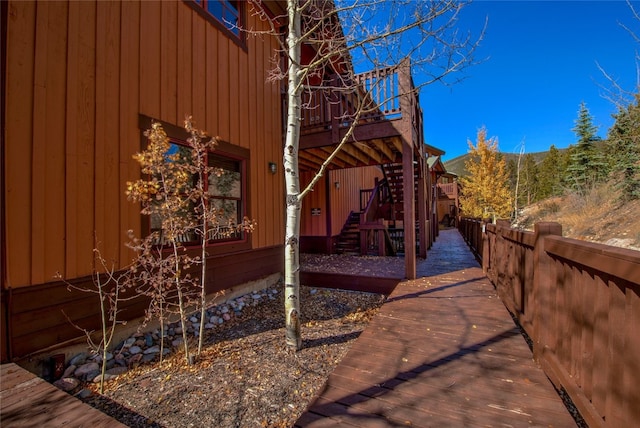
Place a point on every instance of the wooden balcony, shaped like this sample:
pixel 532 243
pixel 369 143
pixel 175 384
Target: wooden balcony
pixel 447 190
pixel 391 114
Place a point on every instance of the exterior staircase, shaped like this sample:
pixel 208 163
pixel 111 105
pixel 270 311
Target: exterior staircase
pixel 390 207
pixel 349 239
pixel 393 175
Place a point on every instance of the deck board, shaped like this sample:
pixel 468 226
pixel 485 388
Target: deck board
pixel 442 351
pixel 28 401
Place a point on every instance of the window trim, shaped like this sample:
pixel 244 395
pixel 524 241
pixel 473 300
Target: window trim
pixel 178 135
pixel 239 39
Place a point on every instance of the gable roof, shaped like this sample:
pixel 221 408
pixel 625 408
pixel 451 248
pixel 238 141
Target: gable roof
pixel 435 164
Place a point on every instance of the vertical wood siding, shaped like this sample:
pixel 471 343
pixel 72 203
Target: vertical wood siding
pixel 342 200
pixel 311 225
pixel 78 76
pixel 347 198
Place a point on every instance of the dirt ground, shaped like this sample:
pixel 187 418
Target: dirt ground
pixel 246 376
pixel 599 216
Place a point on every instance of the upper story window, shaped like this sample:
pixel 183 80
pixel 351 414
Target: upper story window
pixel 228 15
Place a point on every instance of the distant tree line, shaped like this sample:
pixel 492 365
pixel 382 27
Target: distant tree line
pixel 581 167
pixel 588 163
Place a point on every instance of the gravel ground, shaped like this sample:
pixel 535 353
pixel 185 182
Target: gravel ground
pixel 246 376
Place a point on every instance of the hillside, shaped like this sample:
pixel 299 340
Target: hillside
pixel 456 165
pixel 596 217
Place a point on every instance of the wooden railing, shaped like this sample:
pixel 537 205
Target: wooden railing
pixel 374 238
pixel 447 189
pixel 384 94
pixel 580 304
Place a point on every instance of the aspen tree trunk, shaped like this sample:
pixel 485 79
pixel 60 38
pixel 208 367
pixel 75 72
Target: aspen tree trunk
pixel 292 183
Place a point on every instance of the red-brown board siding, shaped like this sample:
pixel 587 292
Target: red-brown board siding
pixel 41 314
pixel 19 127
pixel 78 76
pixel 314 225
pixel 343 198
pixel 347 197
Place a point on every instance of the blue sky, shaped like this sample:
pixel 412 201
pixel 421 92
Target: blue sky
pixel 540 63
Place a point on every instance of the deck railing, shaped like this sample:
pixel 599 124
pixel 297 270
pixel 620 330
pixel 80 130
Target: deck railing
pixel 447 190
pixel 374 237
pixel 384 94
pixel 580 304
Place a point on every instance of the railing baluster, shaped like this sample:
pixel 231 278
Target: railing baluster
pixel 379 90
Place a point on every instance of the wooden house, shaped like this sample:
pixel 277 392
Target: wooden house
pixel 81 81
pixel 378 201
pixel 355 210
pixel 448 202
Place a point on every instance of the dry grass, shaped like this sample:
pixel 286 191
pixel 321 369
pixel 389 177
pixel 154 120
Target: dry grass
pixel 598 216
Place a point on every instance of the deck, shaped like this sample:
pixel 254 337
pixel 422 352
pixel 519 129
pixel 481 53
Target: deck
pixel 443 351
pixel 29 401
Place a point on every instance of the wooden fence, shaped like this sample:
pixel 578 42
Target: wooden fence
pixel 580 304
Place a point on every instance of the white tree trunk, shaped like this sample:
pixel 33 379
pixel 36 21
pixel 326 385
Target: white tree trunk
pixel 292 183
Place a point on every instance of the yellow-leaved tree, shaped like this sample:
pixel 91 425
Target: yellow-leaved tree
pixel 485 191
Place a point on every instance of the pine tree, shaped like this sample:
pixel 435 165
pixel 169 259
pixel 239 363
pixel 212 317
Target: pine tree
pixel 623 148
pixel 529 181
pixel 551 172
pixel 486 190
pixel 587 166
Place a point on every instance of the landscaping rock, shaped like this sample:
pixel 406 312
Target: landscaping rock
pixel 116 371
pixel 144 347
pixel 85 369
pixel 78 359
pixel 152 350
pixel 69 371
pixel 135 349
pixel 67 384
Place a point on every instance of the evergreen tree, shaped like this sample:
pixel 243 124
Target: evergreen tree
pixel 587 166
pixel 512 172
pixel 623 148
pixel 551 172
pixel 529 181
pixel 486 191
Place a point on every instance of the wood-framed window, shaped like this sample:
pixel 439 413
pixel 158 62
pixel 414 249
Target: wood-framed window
pixel 227 15
pixel 226 187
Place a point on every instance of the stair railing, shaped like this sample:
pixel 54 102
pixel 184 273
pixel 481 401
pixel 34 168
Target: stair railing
pixel 373 235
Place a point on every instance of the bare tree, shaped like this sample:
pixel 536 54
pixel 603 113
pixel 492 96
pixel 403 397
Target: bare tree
pixel 615 92
pixel 342 36
pixel 110 287
pixel 517 187
pixel 209 220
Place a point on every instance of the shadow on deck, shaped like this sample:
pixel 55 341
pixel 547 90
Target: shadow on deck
pixel 442 351
pixel 29 401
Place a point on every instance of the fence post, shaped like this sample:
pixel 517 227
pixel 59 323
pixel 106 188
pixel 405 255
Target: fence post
pixel 542 319
pixel 486 247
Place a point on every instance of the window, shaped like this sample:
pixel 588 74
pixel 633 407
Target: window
pixel 227 14
pixel 226 187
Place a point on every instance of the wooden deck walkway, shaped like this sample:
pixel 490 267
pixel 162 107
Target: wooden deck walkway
pixel 27 401
pixel 443 351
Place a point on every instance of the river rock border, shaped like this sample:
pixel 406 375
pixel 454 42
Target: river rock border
pixel 144 347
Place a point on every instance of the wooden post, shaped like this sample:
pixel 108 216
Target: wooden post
pixel 486 248
pixel 404 82
pixel 335 106
pixel 409 219
pixel 543 289
pixel 422 209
